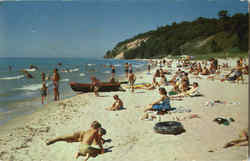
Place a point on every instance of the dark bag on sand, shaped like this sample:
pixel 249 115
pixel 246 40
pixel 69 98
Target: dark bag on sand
pixel 169 127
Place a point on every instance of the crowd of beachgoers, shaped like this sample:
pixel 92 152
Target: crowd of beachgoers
pixel 160 94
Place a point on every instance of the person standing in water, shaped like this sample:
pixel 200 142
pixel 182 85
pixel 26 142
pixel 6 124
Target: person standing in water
pixel 131 79
pixel 56 79
pixel 43 77
pixel 44 91
pixel 126 69
pixel 113 71
pixel 10 68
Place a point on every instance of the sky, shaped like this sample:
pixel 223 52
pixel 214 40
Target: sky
pixel 88 28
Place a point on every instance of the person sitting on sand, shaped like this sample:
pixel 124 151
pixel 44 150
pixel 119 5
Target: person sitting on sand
pixel 178 71
pixel 95 85
pixel 183 86
pixel 205 71
pixel 44 91
pixel 90 136
pixel 173 79
pixel 193 91
pixel 163 80
pixel 77 137
pixel 199 68
pixel 185 77
pixel 157 73
pixel 152 86
pixel 175 90
pixel 245 69
pixel 131 80
pixel 162 104
pixel 192 69
pixel 117 105
pixel 237 73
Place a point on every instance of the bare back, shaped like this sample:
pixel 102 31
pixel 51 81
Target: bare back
pixel 90 136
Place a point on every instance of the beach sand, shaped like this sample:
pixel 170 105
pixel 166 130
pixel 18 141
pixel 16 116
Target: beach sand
pixel 133 139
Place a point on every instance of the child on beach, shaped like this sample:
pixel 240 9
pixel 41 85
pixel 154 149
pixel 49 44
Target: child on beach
pixel 117 105
pixel 95 85
pixel 44 91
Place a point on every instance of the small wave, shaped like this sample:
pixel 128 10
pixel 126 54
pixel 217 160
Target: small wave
pixel 30 70
pixel 32 87
pixel 91 64
pixel 107 72
pixel 11 78
pixel 65 80
pixel 74 70
pixel 82 74
pixel 138 66
pixel 117 65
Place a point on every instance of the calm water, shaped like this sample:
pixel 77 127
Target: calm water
pixel 19 95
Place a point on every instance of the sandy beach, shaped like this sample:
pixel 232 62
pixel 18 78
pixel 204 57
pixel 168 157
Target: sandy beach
pixel 133 139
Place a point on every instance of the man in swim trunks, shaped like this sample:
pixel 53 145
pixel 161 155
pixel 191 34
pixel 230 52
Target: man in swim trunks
pixel 90 135
pixel 131 80
pixel 56 79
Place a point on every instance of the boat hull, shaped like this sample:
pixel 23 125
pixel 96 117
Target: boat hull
pixel 86 87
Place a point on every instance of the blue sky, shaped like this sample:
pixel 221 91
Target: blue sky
pixel 88 28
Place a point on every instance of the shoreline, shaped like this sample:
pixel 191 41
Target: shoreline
pixel 34 103
pixel 132 138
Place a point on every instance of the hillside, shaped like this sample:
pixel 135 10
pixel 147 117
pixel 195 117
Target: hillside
pixel 199 37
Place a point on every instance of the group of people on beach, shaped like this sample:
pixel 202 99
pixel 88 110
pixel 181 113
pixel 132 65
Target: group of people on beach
pixel 44 90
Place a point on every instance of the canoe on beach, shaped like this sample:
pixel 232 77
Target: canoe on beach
pixel 87 87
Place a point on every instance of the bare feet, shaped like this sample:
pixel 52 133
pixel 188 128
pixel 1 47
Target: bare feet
pixel 77 155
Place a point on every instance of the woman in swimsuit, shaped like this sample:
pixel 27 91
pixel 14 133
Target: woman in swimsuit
pixel 162 104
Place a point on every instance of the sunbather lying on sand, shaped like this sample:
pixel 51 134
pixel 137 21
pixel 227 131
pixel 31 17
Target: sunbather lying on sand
pixel 90 136
pixel 237 73
pixel 117 105
pixel 87 138
pixel 193 91
pixel 242 141
pixel 76 137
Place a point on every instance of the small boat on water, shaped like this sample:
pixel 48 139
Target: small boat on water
pixel 87 87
